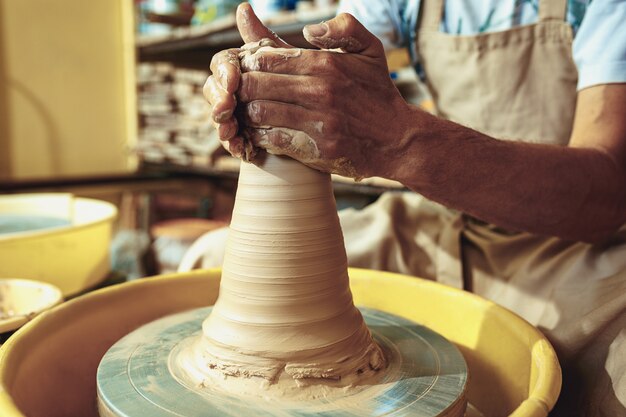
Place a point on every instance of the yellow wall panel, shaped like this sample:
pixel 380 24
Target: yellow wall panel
pixel 67 98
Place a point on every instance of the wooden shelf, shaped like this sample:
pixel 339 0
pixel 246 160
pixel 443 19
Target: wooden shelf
pixel 368 186
pixel 139 180
pixel 195 46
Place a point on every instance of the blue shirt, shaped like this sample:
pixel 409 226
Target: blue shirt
pixel 599 26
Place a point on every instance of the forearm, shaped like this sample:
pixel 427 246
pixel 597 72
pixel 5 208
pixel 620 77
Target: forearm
pixel 339 112
pixel 574 193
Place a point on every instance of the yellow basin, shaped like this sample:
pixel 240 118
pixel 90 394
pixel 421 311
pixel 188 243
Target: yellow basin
pixel 72 257
pixel 48 368
pixel 23 299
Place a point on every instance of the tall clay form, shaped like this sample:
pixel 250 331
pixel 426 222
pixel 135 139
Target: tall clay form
pixel 285 309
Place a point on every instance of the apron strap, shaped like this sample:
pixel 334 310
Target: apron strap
pixel 430 15
pixel 552 10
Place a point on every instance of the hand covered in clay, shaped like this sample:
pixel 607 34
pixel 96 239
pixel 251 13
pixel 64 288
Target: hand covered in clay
pixel 221 86
pixel 335 109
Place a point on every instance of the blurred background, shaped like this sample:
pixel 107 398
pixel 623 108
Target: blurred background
pixel 103 99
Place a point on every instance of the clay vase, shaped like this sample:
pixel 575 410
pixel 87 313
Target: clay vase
pixel 285 309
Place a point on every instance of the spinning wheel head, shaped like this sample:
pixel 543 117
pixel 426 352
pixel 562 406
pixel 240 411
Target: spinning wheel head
pixel 426 375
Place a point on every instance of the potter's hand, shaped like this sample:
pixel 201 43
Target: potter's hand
pixel 337 111
pixel 221 86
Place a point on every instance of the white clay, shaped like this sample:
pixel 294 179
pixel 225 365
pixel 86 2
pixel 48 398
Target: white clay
pixel 250 61
pixel 286 141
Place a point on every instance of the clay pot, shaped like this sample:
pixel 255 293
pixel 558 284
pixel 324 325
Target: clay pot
pixel 285 306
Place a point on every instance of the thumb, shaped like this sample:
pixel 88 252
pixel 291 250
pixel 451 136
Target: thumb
pixel 252 29
pixel 344 32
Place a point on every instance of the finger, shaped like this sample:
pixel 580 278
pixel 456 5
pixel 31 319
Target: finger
pixel 262 113
pixel 235 146
pixel 300 146
pixel 284 61
pixel 223 104
pixel 345 32
pixel 252 29
pixel 281 141
pixel 295 89
pixel 225 67
pixel 227 130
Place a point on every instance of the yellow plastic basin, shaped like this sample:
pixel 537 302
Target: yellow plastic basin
pixel 48 368
pixel 73 257
pixel 23 299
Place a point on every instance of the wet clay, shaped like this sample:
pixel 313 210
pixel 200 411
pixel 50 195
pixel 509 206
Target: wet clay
pixel 285 313
pixel 251 62
pixel 284 141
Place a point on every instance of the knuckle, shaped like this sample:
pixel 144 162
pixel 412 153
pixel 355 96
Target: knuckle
pixel 332 125
pixel 331 149
pixel 222 131
pixel 259 61
pixel 332 90
pixel 256 112
pixel 262 61
pixel 227 57
pixel 207 89
pixel 227 130
pixel 343 85
pixel 266 61
pixel 326 94
pixel 347 21
pixel 344 17
pixel 261 113
pixel 246 87
pixel 249 63
pixel 217 59
pixel 327 63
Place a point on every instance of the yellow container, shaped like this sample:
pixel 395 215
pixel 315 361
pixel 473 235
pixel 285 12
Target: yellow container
pixel 72 257
pixel 48 368
pixel 23 299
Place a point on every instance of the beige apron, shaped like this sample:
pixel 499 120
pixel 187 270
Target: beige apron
pixel 518 84
pixel 515 84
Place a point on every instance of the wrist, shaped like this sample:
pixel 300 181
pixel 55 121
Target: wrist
pixel 407 163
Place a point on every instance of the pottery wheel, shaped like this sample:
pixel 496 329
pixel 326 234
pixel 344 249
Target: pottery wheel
pixel 426 376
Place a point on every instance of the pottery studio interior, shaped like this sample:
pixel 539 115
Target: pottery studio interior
pixel 312 208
